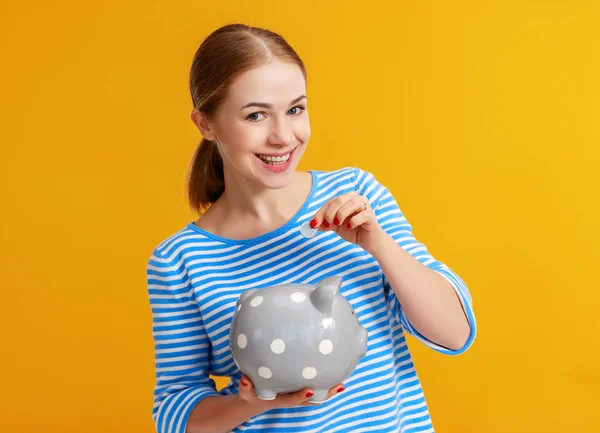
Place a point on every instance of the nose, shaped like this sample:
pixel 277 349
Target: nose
pixel 282 133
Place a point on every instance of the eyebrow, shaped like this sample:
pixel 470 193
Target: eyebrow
pixel 268 106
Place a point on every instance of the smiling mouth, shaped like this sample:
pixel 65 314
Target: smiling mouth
pixel 275 160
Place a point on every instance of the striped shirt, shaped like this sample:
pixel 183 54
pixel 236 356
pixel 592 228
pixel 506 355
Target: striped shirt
pixel 195 278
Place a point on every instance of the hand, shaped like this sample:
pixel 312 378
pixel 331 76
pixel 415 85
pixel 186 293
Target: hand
pixel 247 393
pixel 350 216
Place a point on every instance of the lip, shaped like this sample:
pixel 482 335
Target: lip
pixel 278 168
pixel 276 154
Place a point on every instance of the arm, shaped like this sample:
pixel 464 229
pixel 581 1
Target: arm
pixel 427 297
pixel 185 398
pixel 181 346
pixel 428 300
pixel 220 414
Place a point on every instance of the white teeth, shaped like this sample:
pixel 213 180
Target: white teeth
pixel 277 160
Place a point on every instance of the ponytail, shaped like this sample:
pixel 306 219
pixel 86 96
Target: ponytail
pixel 205 180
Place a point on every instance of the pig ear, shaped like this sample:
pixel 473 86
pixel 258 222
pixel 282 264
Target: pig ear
pixel 327 289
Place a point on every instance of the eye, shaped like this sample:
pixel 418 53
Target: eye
pixel 254 117
pixel 295 111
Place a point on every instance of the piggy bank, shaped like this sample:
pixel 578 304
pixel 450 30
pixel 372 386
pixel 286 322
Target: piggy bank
pixel 289 337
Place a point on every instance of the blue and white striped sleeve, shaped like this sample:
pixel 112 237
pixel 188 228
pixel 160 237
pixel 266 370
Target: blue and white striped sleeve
pixel 393 221
pixel 181 346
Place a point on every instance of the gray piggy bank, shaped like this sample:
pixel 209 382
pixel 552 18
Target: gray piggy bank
pixel 289 337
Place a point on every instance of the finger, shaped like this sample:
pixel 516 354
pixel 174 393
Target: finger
pixel 246 389
pixel 335 390
pixel 334 207
pixel 332 391
pixel 352 207
pixel 324 218
pixel 246 385
pixel 294 398
pixel 246 382
pixel 329 220
pixel 318 218
pixel 362 219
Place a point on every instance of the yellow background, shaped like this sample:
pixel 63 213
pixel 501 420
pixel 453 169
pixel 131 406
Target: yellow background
pixel 481 117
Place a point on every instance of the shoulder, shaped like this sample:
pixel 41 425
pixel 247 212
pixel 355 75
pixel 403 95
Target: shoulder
pixel 362 181
pixel 357 179
pixel 170 248
pixel 350 175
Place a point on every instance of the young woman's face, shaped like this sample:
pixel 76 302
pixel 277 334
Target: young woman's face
pixel 262 126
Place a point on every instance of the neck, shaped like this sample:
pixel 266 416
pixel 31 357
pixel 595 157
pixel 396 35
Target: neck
pixel 265 206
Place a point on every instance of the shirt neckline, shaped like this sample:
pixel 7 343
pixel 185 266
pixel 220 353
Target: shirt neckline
pixel 268 235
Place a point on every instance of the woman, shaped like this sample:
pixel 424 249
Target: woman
pixel 248 88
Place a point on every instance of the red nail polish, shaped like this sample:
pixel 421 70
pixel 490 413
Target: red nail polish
pixel 325 223
pixel 336 222
pixel 341 389
pixel 348 225
pixel 310 394
pixel 313 223
pixel 244 383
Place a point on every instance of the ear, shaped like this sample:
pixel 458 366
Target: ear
pixel 203 124
pixel 327 289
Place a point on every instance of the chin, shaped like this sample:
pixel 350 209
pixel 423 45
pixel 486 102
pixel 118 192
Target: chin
pixel 278 180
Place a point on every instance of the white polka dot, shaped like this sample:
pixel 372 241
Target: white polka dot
pixel 309 373
pixel 278 346
pixel 242 341
pixel 256 301
pixel 265 373
pixel 298 297
pixel 326 347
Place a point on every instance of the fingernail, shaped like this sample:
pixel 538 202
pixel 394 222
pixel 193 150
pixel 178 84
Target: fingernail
pixel 310 394
pixel 244 382
pixel 325 223
pixel 336 222
pixel 313 223
pixel 340 389
pixel 348 225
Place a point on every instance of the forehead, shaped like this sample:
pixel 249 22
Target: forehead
pixel 275 82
